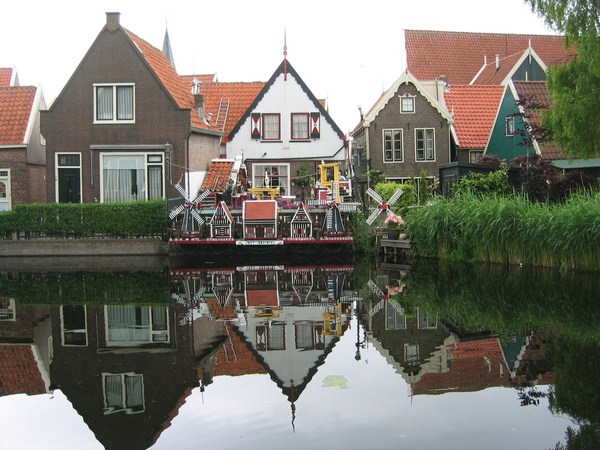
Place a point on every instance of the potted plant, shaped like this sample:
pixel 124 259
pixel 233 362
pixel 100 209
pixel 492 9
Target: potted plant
pixel 393 223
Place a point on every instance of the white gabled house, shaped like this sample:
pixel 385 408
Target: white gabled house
pixel 285 128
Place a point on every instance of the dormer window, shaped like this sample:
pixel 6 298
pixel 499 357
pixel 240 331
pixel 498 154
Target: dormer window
pixel 407 104
pixel 114 103
pixel 510 126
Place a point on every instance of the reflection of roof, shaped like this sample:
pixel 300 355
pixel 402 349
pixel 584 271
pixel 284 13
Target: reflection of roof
pixel 260 297
pixel 459 55
pixel 236 357
pixel 19 371
pixel 474 365
pixel 474 109
pixel 260 210
pixel 218 175
pixel 15 111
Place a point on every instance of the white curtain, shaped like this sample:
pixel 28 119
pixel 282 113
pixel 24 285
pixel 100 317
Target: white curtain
pixel 104 102
pixel 128 323
pixel 124 102
pixel 124 179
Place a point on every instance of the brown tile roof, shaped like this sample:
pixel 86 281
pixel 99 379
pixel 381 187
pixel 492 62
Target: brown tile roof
pixel 236 357
pixel 259 297
pixel 19 371
pixel 260 210
pixel 474 109
pixel 492 75
pixel 5 76
pixel 240 96
pixel 459 55
pixel 538 92
pixel 174 84
pixel 218 175
pixel 15 111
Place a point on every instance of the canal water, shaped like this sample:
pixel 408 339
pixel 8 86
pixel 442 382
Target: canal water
pixel 297 354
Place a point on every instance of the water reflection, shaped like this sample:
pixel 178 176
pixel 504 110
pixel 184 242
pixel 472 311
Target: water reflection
pixel 129 350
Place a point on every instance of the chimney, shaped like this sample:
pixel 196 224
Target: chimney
pixel 199 104
pixel 497 61
pixel 112 20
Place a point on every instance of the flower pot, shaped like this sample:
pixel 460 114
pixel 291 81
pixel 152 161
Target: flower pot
pixel 393 234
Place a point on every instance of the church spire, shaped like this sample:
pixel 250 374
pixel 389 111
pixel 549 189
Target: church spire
pixel 167 48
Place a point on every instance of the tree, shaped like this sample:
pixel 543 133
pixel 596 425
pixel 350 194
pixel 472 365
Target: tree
pixel 574 115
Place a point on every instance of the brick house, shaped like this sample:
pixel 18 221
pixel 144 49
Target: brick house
pixel 22 149
pixel 126 126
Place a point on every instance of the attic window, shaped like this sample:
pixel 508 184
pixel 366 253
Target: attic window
pixel 407 104
pixel 114 103
pixel 510 125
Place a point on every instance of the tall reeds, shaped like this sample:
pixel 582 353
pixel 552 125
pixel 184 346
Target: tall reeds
pixel 511 230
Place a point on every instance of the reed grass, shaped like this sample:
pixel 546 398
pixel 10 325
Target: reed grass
pixel 510 230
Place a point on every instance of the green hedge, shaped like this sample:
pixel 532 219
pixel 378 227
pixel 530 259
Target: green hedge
pixel 86 219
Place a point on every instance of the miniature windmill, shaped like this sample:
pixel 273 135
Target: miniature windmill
pixel 190 210
pixel 192 297
pixel 382 207
pixel 383 298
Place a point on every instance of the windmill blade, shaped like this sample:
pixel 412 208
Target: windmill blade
pixel 201 196
pixel 374 215
pixel 375 196
pixel 395 196
pixel 196 216
pixel 176 211
pixel 182 192
pixel 198 295
pixel 375 289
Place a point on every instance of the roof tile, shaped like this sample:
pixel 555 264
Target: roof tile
pixel 217 176
pixel 15 110
pixel 5 76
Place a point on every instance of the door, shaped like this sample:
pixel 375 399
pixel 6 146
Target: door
pixel 69 185
pixel 4 190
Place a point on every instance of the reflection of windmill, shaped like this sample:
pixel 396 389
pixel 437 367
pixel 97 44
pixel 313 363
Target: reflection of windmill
pixel 383 298
pixel 192 221
pixel 382 207
pixel 191 295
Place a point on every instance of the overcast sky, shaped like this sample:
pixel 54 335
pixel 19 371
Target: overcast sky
pixel 346 51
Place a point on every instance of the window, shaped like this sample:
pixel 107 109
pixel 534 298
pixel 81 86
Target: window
pixel 131 177
pixel 73 325
pixel 393 150
pixel 411 352
pixel 424 144
pixel 510 126
pixel 474 155
pixel 300 126
pixel 271 127
pixel 394 319
pixel 276 336
pixel 129 325
pixel 7 308
pixel 271 175
pixel 426 321
pixel 123 392
pixel 114 103
pixel 407 104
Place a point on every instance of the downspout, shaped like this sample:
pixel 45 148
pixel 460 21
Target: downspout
pixel 187 163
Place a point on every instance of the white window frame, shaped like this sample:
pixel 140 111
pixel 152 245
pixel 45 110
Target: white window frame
pixel 297 132
pixel 411 103
pixel 268 133
pixel 139 381
pixel 425 140
pixel 147 163
pixel 115 104
pixel 258 175
pixel 5 176
pixel 7 309
pixel 131 332
pixel 64 331
pixel 509 127
pixel 393 140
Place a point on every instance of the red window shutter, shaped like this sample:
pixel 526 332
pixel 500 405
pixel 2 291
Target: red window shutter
pixel 255 132
pixel 315 125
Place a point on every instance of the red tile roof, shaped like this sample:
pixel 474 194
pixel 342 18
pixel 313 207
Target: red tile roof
pixel 491 74
pixel 218 175
pixel 15 111
pixel 260 210
pixel 174 84
pixel 538 92
pixel 459 56
pixel 5 76
pixel 236 357
pixel 239 94
pixel 474 109
pixel 19 371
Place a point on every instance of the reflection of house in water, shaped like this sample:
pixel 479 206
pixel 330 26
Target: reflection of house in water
pixel 24 331
pixel 274 319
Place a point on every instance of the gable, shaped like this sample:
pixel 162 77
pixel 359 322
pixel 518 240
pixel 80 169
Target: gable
pixel 286 72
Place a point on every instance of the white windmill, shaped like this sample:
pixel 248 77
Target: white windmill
pixel 383 298
pixel 382 207
pixel 190 210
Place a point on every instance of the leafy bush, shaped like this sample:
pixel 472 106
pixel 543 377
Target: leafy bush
pixel 493 183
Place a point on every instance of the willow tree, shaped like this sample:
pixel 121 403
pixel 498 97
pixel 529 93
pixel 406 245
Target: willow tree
pixel 574 116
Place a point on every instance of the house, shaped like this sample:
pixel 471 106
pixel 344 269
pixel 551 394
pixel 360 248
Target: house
pixel 407 132
pixel 22 147
pixel 221 224
pixel 126 126
pixel 284 130
pixel 260 220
